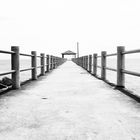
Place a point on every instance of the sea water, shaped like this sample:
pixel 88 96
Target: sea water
pixel 5 66
pixel 132 83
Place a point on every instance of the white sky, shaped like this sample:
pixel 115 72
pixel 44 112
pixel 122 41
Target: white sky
pixel 54 26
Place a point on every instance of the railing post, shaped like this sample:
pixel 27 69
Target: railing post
pixel 90 63
pixel 15 65
pixel 120 66
pixel 58 61
pixel 82 61
pixel 54 62
pixel 34 65
pixel 103 65
pixel 48 63
pixel 51 63
pixel 86 62
pixel 79 61
pixel 95 64
pixel 42 63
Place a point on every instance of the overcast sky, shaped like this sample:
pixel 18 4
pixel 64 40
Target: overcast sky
pixel 54 26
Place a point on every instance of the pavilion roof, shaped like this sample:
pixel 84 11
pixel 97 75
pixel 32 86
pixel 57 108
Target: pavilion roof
pixel 69 52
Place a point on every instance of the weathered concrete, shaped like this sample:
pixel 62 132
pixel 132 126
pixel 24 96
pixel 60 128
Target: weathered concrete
pixel 68 104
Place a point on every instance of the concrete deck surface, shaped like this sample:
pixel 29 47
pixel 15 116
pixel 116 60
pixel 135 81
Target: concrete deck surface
pixel 68 104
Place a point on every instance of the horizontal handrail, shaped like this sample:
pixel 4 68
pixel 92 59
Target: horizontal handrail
pixel 87 61
pixel 47 63
pixel 113 54
pixel 132 51
pixel 7 52
pixel 39 66
pixel 26 69
pixel 26 55
pixel 39 56
pixel 99 67
pixel 108 68
pixel 6 73
pixel 131 73
pixel 112 69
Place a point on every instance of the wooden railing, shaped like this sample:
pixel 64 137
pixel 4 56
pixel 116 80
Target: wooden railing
pixel 51 63
pixel 86 63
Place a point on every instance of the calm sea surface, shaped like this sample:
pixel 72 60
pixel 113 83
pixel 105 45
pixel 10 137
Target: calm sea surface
pixel 131 82
pixel 5 65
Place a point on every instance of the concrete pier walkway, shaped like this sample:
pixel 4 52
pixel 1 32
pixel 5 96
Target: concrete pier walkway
pixel 68 104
